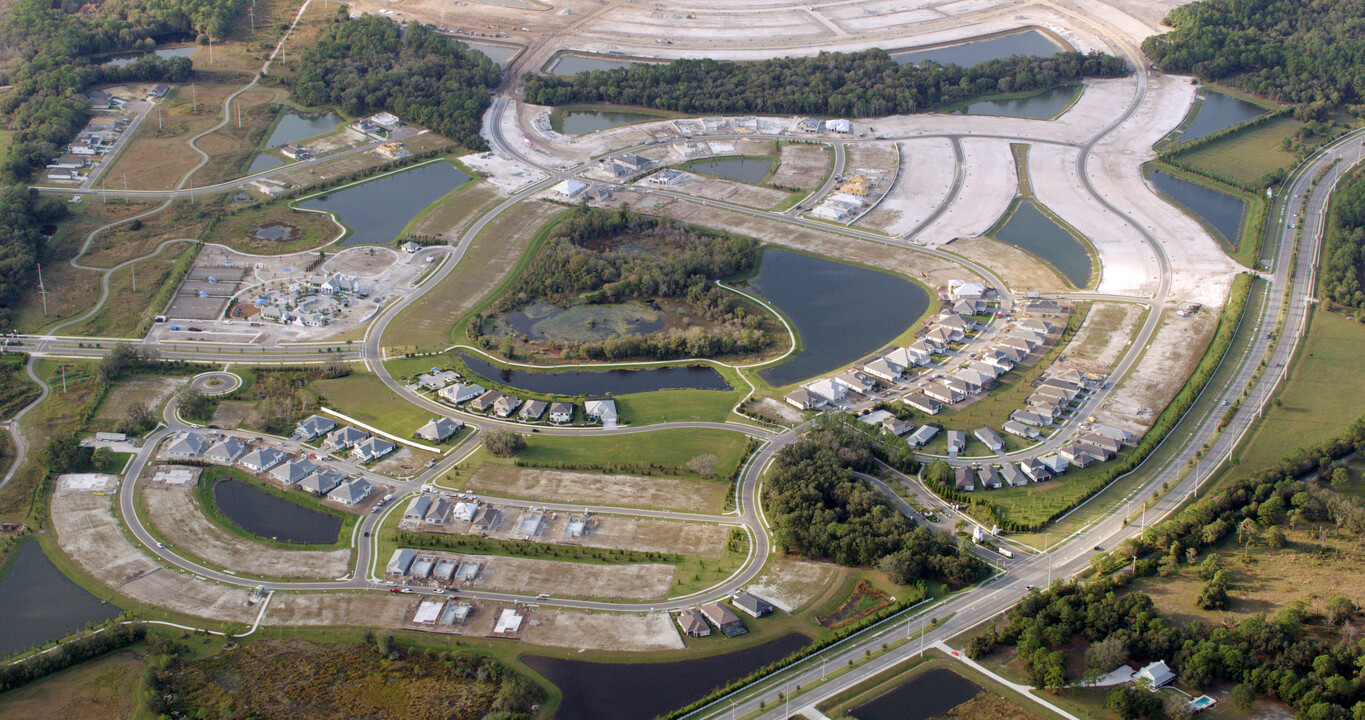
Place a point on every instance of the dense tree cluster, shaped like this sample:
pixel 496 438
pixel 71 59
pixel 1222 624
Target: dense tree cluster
pixel 1309 52
pixel 820 508
pixel 372 63
pixel 504 443
pixel 865 84
pixel 70 653
pixel 1344 270
pixel 23 213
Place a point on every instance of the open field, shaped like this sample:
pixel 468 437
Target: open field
pixel 670 450
pixel 1250 154
pixel 801 165
pixel 492 257
pixel 363 397
pixel 102 688
pixel 182 220
pixel 16 389
pixel 159 154
pixel 129 305
pixel 677 406
pixel 238 230
pixel 654 493
pixel 149 390
pixel 59 413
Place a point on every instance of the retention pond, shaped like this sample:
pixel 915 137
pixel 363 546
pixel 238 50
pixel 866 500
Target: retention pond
pixel 745 170
pixel 294 127
pixel 260 513
pixel 1218 210
pixel 842 312
pixel 582 122
pixel 600 382
pixel 925 696
pixel 1217 112
pixel 39 604
pixel 1030 230
pixel 1042 106
pixel 377 211
pixel 1031 43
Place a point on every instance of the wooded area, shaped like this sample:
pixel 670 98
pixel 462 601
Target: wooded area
pixel 820 509
pixel 864 84
pixel 23 213
pixel 1344 267
pixel 372 63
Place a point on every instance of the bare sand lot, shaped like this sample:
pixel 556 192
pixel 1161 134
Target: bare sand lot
pixel 1020 270
pixel 730 191
pixel 644 581
pixel 1159 375
pixel 658 493
pixel 603 631
pixel 337 608
pixel 1104 336
pixel 790 584
pixel 801 166
pixel 925 180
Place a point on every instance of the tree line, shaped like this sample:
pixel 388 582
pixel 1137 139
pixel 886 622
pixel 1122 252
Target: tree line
pixel 865 84
pixel 821 509
pixel 371 63
pixel 23 213
pixel 1343 269
pixel 1305 52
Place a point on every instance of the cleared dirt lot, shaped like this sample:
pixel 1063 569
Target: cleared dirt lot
pixel 926 177
pixel 603 631
pixel 591 488
pixel 350 608
pixel 1104 336
pixel 90 535
pixel 730 191
pixel 1170 358
pixel 174 511
pixel 1020 270
pixel 790 584
pixel 525 575
pixel 801 166
pixel 149 391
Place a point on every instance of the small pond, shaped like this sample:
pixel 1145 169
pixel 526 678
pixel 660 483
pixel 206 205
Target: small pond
pixel 1042 106
pixel 264 161
pixel 377 211
pixel 294 127
pixel 569 64
pixel 39 604
pixel 1219 111
pixel 497 52
pixel 1219 210
pixel 128 58
pixel 260 513
pixel 640 691
pixel 745 170
pixel 842 312
pixel 543 321
pixel 276 231
pixel 1031 231
pixel 600 382
pixel 929 695
pixel 582 122
pixel 1031 43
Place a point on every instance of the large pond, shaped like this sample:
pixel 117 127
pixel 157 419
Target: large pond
pixel 842 312
pixel 497 52
pixel 1030 230
pixel 600 382
pixel 294 127
pixel 1041 106
pixel 544 321
pixel 929 695
pixel 582 122
pixel 377 211
pixel 1219 111
pixel 745 170
pixel 39 604
pixel 570 64
pixel 640 691
pixel 1219 210
pixel 260 513
pixel 127 58
pixel 1032 43
pixel 264 161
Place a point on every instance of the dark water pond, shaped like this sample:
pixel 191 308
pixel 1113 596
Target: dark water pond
pixel 1032 43
pixel 260 513
pixel 1219 111
pixel 600 382
pixel 1042 106
pixel 745 170
pixel 582 122
pixel 640 691
pixel 1219 210
pixel 542 321
pixel 276 231
pixel 264 161
pixel 1030 230
pixel 127 58
pixel 929 695
pixel 842 312
pixel 39 604
pixel 572 64
pixel 377 211
pixel 294 127
pixel 497 52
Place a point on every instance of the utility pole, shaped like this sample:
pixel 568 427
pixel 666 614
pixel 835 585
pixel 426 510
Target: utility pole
pixel 41 289
pixel 239 116
pixel 134 269
pixel 194 95
pixel 210 49
pixel 1046 538
pixel 125 190
pixel 63 379
pixel 158 116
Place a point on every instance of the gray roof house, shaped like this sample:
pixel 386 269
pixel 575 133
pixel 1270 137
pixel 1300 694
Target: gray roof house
pixel 963 480
pixel 957 441
pixel 752 604
pixel 438 429
pixel 189 445
pixel 1076 456
pixel 1013 475
pixel 417 509
pixel 401 561
pixel 293 471
pixel 724 620
pixel 313 427
pixel 922 436
pixel 353 492
pixel 693 624
pixel 226 451
pixel 344 438
pixel 989 438
pixel 533 409
pixel 372 449
pixel 989 477
pixel 923 403
pixel 262 459
pixel 1027 432
pixel 561 412
pixel 1055 463
pixel 1035 469
pixel 460 392
pixel 322 482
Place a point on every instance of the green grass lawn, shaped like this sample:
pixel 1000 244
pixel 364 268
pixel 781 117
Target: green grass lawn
pixel 1036 502
pixel 365 398
pixel 1248 155
pixel 670 448
pixel 677 405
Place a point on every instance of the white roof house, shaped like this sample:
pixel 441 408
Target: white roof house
pixel 570 188
pixel 372 449
pixel 438 429
pixel 461 392
pixel 973 291
pixel 465 510
pixel 839 126
pixel 188 445
pixel 882 369
pixel 437 380
pixel 1157 674
pixel 600 410
pixel 905 359
pixel 831 389
pixel 506 405
pixel 508 622
pixel 293 471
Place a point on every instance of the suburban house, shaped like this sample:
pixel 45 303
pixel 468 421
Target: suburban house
pixel 1076 456
pixel 401 561
pixel 943 393
pixel 1103 454
pixel 963 480
pixel 897 426
pixel 1055 464
pixel 1017 344
pixel 1042 327
pixel 942 336
pixel 438 429
pixel 506 405
pixel 1030 418
pixel 923 404
pixel 344 438
pixel 226 451
pixel 312 428
pixel 485 401
pixel 262 459
pixel 839 126
pixel 533 409
pixel 989 438
pixel 1108 443
pixel 904 359
pixel 417 509
pixel 967 306
pixel 372 449
pixel 1120 435
pixel 920 351
pixel 985 369
pixel 189 445
pixel 753 605
pixel 1027 337
pixel 922 436
pixel 353 492
pixel 1013 475
pixel 957 325
pixel 439 512
pixel 293 471
pixel 989 478
pixel 460 392
pixel 437 379
pixel 882 369
pixel 693 624
pixel 1156 674
pixel 1071 389
pixel 322 482
pixel 803 399
pixel 966 290
pixel 966 381
pixel 1017 428
pixel 724 620
pixel 957 441
pixel 857 381
pixel 830 390
pixel 465 510
pixel 561 412
pixel 1035 470
pixel 570 188
pixel 603 411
